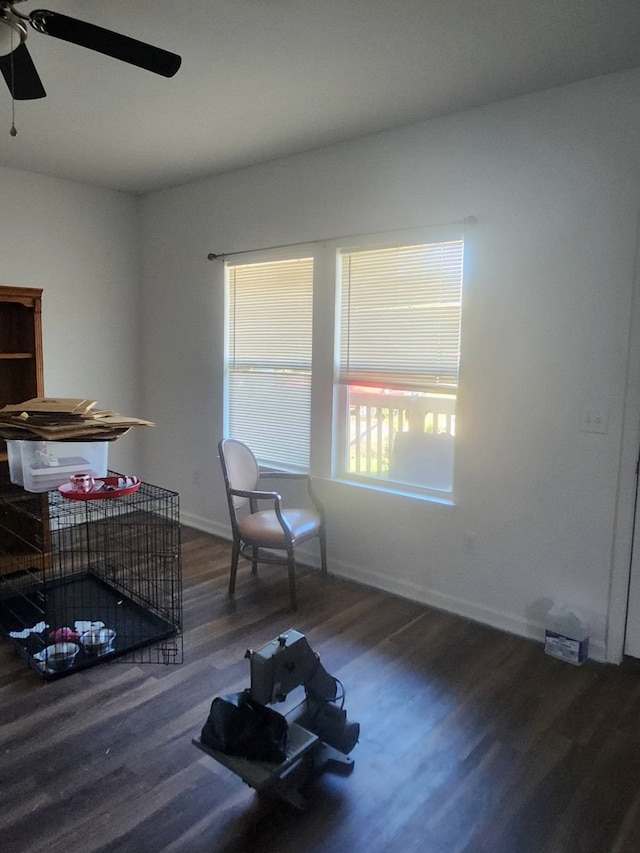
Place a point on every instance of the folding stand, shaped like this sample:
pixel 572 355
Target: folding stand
pixel 307 758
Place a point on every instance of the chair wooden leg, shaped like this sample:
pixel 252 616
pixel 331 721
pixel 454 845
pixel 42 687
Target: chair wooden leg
pixel 291 566
pixel 254 562
pixel 323 549
pixel 235 553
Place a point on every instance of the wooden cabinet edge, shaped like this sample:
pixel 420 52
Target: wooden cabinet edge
pixel 30 298
pixel 27 296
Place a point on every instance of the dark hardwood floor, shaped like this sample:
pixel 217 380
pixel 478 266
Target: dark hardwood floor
pixel 472 740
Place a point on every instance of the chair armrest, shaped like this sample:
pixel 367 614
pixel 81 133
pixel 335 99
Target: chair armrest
pixel 290 475
pixel 254 495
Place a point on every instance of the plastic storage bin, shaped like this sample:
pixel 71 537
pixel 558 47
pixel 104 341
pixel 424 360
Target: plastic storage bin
pixel 41 466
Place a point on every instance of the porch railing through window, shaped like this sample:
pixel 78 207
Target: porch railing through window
pixel 376 416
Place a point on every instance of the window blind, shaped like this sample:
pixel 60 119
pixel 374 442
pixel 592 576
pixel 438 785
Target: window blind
pixel 400 318
pixel 269 358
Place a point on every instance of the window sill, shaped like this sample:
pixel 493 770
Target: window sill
pixel 396 490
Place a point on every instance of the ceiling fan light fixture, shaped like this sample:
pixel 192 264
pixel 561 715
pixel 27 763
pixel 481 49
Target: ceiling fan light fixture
pixel 12 34
pixel 16 65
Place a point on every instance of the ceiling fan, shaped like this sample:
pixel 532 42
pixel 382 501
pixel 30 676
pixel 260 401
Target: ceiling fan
pixel 20 73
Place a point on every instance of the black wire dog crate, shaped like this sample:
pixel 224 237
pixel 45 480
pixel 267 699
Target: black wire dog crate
pixel 92 580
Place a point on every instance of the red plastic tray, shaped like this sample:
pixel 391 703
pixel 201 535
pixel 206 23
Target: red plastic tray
pixel 106 487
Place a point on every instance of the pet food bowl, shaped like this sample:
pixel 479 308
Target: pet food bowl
pixel 98 641
pixel 60 656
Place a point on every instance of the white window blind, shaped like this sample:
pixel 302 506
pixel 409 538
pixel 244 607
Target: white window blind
pixel 400 318
pixel 269 331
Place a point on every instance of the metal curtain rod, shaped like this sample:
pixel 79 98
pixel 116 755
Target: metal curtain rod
pixel 468 220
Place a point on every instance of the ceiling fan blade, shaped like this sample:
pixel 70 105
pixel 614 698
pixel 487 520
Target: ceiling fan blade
pixel 105 41
pixel 20 75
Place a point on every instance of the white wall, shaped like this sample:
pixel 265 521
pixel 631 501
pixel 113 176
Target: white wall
pixel 80 244
pixel 554 180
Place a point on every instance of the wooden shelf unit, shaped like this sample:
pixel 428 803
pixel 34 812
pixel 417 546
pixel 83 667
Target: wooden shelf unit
pixel 21 378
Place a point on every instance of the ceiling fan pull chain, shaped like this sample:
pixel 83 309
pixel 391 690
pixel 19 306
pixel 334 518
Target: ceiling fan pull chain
pixel 13 131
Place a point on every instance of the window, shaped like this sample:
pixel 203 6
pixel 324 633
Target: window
pixel 400 311
pixel 268 358
pixel 379 406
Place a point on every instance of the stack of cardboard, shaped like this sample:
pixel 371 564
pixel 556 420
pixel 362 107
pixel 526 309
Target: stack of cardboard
pixel 63 419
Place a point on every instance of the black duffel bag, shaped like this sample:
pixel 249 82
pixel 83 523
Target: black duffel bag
pixel 237 725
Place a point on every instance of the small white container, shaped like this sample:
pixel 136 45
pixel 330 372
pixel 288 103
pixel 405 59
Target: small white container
pixel 42 466
pixel 566 636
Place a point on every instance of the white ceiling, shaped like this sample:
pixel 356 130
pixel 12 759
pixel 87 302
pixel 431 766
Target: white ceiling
pixel 266 78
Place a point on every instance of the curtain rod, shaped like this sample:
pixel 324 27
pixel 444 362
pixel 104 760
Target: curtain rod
pixel 468 220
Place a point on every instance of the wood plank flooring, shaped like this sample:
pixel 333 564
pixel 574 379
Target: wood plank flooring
pixel 472 741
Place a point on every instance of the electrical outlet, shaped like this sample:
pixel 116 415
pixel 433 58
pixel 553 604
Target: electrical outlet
pixel 469 542
pixel 196 477
pixel 594 420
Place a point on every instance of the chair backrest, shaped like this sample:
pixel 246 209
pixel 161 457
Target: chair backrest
pixel 239 467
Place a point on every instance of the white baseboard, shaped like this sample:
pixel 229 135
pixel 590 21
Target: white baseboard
pixel 501 620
